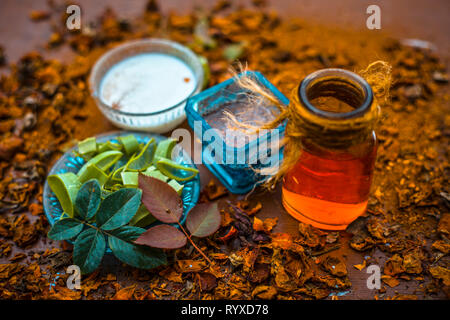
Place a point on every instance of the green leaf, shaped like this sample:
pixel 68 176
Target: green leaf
pixel 160 199
pixel 64 229
pixel 88 250
pixel 204 219
pixel 162 236
pixel 201 34
pixel 133 254
pixel 234 51
pixel 118 208
pixel 88 199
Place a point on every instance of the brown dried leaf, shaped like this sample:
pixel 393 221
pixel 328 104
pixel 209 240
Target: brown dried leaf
pixel 390 281
pixel 160 199
pixel 206 281
pixel 441 273
pixel 162 236
pixel 264 292
pixel 203 220
pixel 214 190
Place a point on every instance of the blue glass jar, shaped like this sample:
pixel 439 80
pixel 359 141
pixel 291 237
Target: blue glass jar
pixel 234 160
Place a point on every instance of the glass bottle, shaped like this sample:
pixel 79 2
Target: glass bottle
pixel 329 185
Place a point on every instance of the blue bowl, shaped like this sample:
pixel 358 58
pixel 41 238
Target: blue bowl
pixel 238 178
pixel 69 162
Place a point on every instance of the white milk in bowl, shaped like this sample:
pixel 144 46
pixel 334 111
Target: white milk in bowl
pixel 147 83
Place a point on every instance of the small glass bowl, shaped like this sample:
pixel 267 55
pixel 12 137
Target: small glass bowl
pixel 158 122
pixel 237 178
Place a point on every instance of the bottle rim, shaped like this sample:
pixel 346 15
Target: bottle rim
pixel 339 75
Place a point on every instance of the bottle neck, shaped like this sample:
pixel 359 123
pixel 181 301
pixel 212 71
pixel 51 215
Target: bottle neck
pixel 335 109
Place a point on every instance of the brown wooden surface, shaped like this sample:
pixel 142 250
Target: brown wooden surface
pixel 402 18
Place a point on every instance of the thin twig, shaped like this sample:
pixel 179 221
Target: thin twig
pixel 193 244
pixel 326 251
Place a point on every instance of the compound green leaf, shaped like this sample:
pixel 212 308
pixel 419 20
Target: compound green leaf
pixel 135 255
pixel 88 199
pixel 88 250
pixel 118 208
pixel 65 228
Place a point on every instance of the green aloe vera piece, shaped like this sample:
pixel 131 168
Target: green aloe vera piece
pixel 178 187
pixel 115 176
pixel 116 187
pixel 143 159
pixel 130 144
pixel 164 150
pixel 146 221
pixel 93 172
pixel 108 146
pixel 130 179
pixel 103 161
pixel 175 171
pixel 150 169
pixel 142 218
pixel 87 146
pixel 156 174
pixel 65 186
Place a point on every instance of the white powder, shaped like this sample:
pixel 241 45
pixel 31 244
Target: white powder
pixel 147 82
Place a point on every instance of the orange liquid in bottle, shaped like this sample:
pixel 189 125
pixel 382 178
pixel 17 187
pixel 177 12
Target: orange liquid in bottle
pixel 330 189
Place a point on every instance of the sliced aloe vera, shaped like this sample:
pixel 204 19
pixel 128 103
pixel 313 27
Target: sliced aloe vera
pixel 108 146
pixel 144 222
pixel 115 176
pixel 116 187
pixel 175 170
pixel 87 146
pixel 178 187
pixel 130 178
pixel 149 169
pixel 103 161
pixel 93 172
pixel 142 218
pixel 130 144
pixel 156 174
pixel 164 150
pixel 143 159
pixel 65 186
